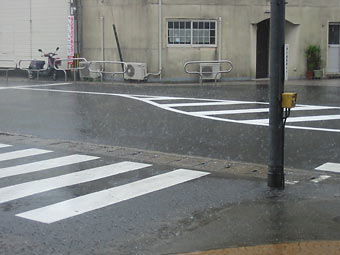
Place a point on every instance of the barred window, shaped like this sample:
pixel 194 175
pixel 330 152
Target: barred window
pixel 194 32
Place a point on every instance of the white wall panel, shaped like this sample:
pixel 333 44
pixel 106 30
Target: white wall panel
pixel 27 25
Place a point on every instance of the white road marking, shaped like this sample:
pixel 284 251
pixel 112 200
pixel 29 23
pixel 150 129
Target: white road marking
pixel 291 182
pixel 33 85
pixel 315 129
pixel 21 154
pixel 256 110
pixel 149 100
pixel 4 145
pixel 320 178
pixel 206 103
pixel 296 119
pixel 313 118
pixel 93 201
pixel 329 167
pixel 44 165
pixel 262 122
pixel 34 187
pixel 162 98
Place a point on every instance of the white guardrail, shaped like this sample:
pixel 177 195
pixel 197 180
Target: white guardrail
pixel 21 66
pixel 69 66
pixel 65 65
pixel 101 70
pixel 229 63
pixel 7 65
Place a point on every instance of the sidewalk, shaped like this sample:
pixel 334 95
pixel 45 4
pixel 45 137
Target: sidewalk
pixel 298 248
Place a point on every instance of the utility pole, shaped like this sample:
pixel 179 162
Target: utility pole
pixel 276 126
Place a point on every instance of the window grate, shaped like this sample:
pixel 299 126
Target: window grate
pixel 194 32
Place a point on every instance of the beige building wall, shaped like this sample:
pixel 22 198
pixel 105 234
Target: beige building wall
pixel 137 26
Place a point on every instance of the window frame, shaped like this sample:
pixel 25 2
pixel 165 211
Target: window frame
pixel 329 26
pixel 191 44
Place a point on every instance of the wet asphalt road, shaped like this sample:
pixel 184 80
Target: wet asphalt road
pixel 121 121
pixel 214 211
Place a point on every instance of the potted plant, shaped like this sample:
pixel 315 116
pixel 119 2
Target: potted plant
pixel 313 61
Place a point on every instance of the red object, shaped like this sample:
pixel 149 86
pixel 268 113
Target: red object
pixel 309 75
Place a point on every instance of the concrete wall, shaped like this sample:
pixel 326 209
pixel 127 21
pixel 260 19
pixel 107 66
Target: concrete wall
pixel 137 26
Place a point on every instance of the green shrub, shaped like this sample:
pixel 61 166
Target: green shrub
pixel 313 55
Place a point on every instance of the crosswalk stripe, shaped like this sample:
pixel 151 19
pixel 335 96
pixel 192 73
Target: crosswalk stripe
pixel 96 200
pixel 330 167
pixel 4 145
pixel 34 187
pixel 256 110
pixel 44 165
pixel 22 154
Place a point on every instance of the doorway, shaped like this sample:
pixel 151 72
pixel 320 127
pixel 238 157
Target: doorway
pixel 262 49
pixel 334 48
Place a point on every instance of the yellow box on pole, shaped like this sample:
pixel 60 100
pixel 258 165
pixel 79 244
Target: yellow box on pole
pixel 289 100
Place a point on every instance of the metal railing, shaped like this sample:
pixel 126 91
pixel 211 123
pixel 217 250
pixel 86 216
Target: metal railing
pixel 7 68
pixel 208 62
pixel 102 71
pixel 32 69
pixel 70 66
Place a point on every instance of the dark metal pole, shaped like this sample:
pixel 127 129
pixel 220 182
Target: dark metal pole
pixel 118 45
pixel 276 133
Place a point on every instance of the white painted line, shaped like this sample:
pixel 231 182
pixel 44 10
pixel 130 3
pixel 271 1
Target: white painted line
pixel 291 182
pixel 314 107
pixel 206 104
pixel 313 118
pixel 4 145
pixel 163 98
pixel 256 110
pixel 44 165
pixel 295 119
pixel 329 167
pixel 306 105
pixel 320 178
pixel 226 112
pixel 34 187
pixel 256 122
pixel 93 201
pixel 33 86
pixel 315 129
pixel 21 154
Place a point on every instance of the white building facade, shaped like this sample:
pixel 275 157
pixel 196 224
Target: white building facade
pixel 29 25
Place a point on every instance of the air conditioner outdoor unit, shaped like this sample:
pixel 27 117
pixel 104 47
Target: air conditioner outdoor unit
pixel 136 71
pixel 208 71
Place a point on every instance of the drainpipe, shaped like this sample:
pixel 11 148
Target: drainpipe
pixel 160 17
pixel 31 29
pixel 102 37
pixel 219 38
